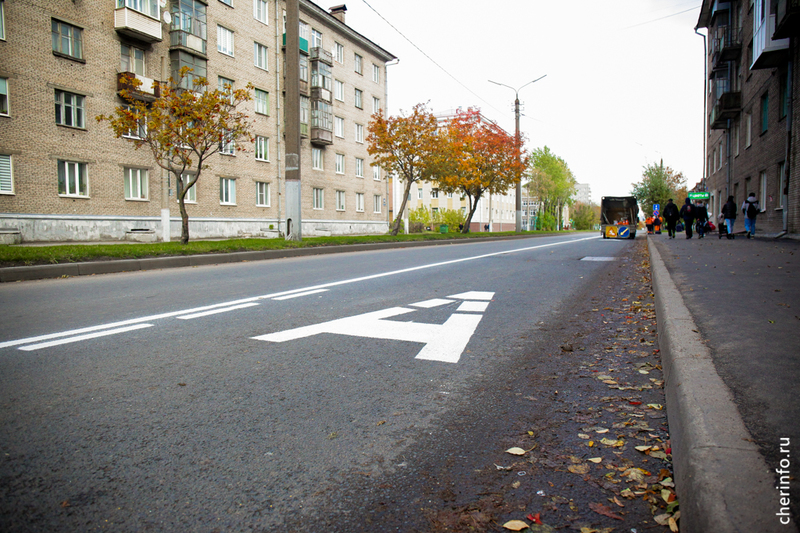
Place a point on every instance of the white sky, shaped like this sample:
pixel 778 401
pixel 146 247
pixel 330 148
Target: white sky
pixel 624 83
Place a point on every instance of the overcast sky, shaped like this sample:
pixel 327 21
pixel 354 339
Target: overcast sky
pixel 623 85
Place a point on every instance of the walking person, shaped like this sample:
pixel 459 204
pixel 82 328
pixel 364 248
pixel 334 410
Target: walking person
pixel 671 216
pixel 729 213
pixel 750 210
pixel 687 214
pixel 701 216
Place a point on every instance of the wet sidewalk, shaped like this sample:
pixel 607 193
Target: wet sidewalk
pixel 729 326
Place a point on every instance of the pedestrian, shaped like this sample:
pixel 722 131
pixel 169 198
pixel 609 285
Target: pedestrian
pixel 671 215
pixel 687 214
pixel 486 227
pixel 657 224
pixel 701 216
pixel 729 214
pixel 750 210
pixel 649 223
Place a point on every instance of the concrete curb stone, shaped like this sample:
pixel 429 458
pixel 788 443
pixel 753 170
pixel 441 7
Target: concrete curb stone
pixel 723 482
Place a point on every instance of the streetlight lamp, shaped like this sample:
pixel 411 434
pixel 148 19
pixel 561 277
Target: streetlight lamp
pixel 516 137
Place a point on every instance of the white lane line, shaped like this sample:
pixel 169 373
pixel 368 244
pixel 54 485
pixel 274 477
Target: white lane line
pixel 216 311
pixel 299 294
pixel 475 307
pixel 79 338
pixel 282 293
pixel 589 258
pixel 434 302
pixel 474 295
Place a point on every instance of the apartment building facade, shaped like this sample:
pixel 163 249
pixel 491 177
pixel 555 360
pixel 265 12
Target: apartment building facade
pixel 751 144
pixel 65 177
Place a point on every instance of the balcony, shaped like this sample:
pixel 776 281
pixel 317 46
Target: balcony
pixel 135 24
pixel 321 136
pixel 147 89
pixel 727 104
pixel 788 18
pixel 320 93
pixel 720 8
pixel 768 52
pixel 320 54
pixel 187 40
pixel 726 45
pixel 303 44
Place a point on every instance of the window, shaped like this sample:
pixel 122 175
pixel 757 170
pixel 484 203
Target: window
pixel 262 102
pixel 316 38
pixel 139 131
pixel 736 127
pixel 67 39
pixel 261 11
pixel 359 133
pixel 2 20
pixel 227 146
pixel 303 30
pixel 148 7
pixel 748 126
pixel 321 75
pixel 360 202
pixel 319 198
pixel 6 177
pixel 303 68
pixel 72 180
pixel 224 40
pixel 339 53
pixel 783 96
pixel 305 113
pixel 376 203
pixel 189 26
pixel 136 183
pixel 721 157
pixel 359 167
pixel 180 59
pixel 450 195
pixel 376 104
pixel 359 99
pixel 781 184
pixel 260 56
pixel 132 60
pixel 764 112
pixel 317 159
pixel 3 93
pixel 227 2
pixel 262 194
pixel 419 193
pixel 227 191
pixel 762 191
pixel 70 110
pixel 358 62
pixel 376 73
pixel 340 163
pixel 338 90
pixel 225 84
pixel 262 148
pixel 434 193
pixel 338 126
pixel 340 200
pixel 376 173
pixel 191 193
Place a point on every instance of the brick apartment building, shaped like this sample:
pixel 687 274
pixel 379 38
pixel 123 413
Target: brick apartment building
pixel 65 177
pixel 752 142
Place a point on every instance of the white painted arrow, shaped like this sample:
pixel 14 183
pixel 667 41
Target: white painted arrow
pixel 443 342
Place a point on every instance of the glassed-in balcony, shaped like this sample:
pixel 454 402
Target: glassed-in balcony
pixel 138 19
pixel 768 52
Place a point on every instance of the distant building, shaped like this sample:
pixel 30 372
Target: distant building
pixel 750 92
pixel 65 177
pixel 583 193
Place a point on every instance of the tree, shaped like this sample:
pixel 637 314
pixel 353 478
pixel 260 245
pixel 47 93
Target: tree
pixel 551 182
pixel 183 128
pixel 584 216
pixel 406 147
pixel 480 157
pixel 658 184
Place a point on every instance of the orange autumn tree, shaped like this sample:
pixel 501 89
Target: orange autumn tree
pixel 183 128
pixel 406 147
pixel 481 158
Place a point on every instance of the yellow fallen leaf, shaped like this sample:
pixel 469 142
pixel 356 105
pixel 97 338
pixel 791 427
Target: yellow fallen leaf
pixel 516 484
pixel 643 448
pixel 673 525
pixel 579 469
pixel 658 454
pixel 516 525
pixel 595 460
pixel 662 519
pixel 590 443
pixel 656 406
pixel 603 430
pixel 515 451
pixel 583 436
pixel 611 442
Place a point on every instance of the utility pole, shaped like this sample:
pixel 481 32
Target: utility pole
pixel 518 202
pixel 294 227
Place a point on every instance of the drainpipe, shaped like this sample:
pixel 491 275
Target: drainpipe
pixel 786 164
pixel 705 105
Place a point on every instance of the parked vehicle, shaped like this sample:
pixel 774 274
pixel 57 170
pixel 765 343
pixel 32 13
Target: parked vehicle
pixel 619 217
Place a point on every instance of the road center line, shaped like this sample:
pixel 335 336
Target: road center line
pixel 171 314
pixel 300 294
pixel 217 311
pixel 84 337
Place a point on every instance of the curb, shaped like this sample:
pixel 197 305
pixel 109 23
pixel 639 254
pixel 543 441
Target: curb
pixel 723 482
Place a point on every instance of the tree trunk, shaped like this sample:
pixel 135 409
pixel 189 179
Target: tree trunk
pixel 472 207
pixel 181 192
pixel 399 217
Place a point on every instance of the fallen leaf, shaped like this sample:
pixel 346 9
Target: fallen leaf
pixel 515 451
pixel 673 525
pixel 535 518
pixel 656 406
pixel 516 484
pixel 516 525
pixel 602 430
pixel 604 510
pixel 658 454
pixel 615 443
pixel 583 436
pixel 595 460
pixel 662 519
pixel 643 448
pixel 579 469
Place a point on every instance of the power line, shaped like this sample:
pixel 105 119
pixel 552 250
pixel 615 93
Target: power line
pixel 429 57
pixel 661 18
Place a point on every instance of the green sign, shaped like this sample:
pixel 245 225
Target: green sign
pixel 700 195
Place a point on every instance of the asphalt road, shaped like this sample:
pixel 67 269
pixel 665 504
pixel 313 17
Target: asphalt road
pixel 189 399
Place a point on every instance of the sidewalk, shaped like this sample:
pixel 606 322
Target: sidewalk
pixel 729 323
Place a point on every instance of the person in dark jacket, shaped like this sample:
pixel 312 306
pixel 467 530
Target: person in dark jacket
pixel 701 216
pixel 729 213
pixel 671 216
pixel 687 214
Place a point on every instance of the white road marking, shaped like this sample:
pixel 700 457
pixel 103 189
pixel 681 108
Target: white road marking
pixel 435 302
pixel 105 333
pixel 589 258
pixel 299 294
pixel 171 314
pixel 217 311
pixel 473 295
pixel 476 307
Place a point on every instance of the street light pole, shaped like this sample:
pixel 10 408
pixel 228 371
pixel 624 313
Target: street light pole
pixel 519 147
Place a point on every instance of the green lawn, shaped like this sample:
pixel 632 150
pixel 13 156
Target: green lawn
pixel 20 255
